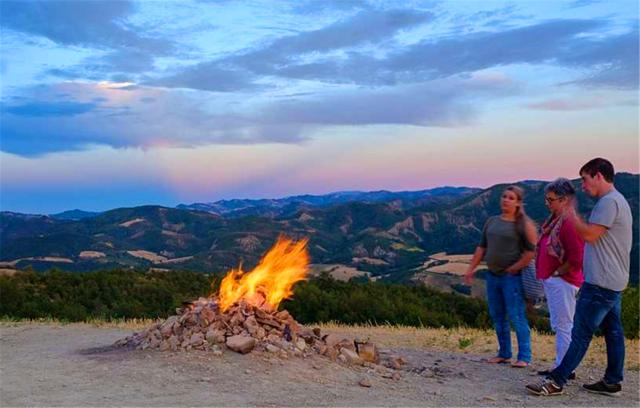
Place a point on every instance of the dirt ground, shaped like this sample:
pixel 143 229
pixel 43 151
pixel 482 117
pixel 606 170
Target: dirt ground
pixel 75 365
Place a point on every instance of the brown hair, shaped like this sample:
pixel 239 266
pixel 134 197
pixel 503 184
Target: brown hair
pixel 599 165
pixel 521 215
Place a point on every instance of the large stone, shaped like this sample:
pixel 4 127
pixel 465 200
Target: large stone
pixel 252 326
pixel 215 336
pixel 174 343
pixel 196 339
pixel 154 343
pixel 236 319
pixel 365 383
pixel 301 344
pixel 283 315
pixel 351 356
pixel 331 340
pixel 307 334
pixel 167 327
pixel 241 344
pixel 396 362
pixel 368 352
pixel 207 315
pixel 331 353
pixel 165 345
pixel 346 343
pixel 271 348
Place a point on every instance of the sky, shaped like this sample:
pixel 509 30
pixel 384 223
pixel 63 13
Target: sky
pixel 108 104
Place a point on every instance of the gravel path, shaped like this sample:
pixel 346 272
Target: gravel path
pixel 74 365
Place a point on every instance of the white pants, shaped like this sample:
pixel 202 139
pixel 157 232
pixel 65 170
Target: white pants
pixel 561 300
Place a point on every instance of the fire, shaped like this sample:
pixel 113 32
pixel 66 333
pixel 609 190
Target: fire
pixel 271 281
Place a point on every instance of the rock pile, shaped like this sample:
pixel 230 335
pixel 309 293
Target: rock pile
pixel 243 328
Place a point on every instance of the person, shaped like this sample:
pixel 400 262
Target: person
pixel 507 245
pixel 606 272
pixel 559 264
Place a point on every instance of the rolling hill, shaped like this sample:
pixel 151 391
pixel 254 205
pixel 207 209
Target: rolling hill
pixel 385 234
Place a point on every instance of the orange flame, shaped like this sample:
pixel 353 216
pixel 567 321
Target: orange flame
pixel 271 281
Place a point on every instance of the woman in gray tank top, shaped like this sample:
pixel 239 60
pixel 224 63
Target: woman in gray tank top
pixel 507 246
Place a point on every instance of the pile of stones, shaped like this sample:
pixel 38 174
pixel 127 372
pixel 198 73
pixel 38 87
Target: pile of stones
pixel 244 328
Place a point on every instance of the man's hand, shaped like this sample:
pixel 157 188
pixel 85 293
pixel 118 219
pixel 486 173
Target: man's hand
pixel 590 233
pixel 570 211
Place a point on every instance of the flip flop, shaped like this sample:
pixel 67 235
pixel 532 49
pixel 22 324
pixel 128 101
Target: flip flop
pixel 520 364
pixel 499 360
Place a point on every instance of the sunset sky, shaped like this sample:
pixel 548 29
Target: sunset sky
pixel 113 104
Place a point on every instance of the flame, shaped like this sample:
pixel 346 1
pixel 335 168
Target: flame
pixel 271 281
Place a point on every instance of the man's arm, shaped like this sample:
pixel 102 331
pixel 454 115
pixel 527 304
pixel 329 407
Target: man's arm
pixel 588 232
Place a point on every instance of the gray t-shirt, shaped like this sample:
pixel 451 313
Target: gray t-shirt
pixel 504 245
pixel 606 261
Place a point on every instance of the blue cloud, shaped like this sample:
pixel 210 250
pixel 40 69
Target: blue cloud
pixel 210 77
pixel 614 60
pixel 40 109
pixel 153 116
pixel 583 3
pixel 239 72
pixel 87 23
pixel 611 59
pixel 97 24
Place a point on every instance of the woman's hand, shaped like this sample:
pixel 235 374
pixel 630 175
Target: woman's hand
pixel 511 270
pixel 468 277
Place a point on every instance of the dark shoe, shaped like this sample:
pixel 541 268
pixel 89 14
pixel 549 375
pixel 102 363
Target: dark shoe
pixel 545 388
pixel 613 390
pixel 572 376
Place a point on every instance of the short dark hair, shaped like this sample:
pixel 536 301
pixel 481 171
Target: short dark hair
pixel 599 165
pixel 561 187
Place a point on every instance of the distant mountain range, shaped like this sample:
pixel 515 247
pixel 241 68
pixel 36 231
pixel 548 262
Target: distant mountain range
pixel 290 205
pixel 387 234
pixel 74 215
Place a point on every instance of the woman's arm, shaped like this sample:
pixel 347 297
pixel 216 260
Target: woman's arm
pixel 573 247
pixel 475 261
pixel 524 260
pixel 532 237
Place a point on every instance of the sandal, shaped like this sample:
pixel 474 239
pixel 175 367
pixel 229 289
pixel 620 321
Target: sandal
pixel 498 360
pixel 520 364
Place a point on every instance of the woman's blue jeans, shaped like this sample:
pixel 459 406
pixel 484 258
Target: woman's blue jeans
pixel 596 308
pixel 506 304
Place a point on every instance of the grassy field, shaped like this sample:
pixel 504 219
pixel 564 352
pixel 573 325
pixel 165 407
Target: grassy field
pixel 459 340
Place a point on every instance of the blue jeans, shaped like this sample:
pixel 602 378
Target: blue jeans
pixel 596 307
pixel 506 300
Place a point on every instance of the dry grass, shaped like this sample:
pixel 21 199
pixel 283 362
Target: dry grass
pixel 337 271
pixel 148 255
pixel 442 256
pixel 474 341
pixel 8 272
pixel 455 268
pixel 459 340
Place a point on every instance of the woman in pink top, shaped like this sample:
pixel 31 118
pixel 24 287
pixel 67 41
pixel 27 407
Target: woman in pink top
pixel 559 263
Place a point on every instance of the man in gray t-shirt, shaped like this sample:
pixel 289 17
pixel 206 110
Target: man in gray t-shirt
pixel 606 272
pixel 606 260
